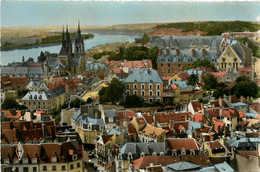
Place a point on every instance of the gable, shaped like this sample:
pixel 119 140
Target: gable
pixel 229 55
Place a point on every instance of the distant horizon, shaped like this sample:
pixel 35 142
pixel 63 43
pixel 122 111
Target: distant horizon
pixel 109 13
pixel 130 24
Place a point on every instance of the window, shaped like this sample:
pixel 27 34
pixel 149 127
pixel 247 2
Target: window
pixel 142 154
pixel 150 100
pixel 78 165
pixel 16 161
pixel 192 152
pixel 161 153
pixel 44 168
pixel 150 93
pixel 7 161
pixel 134 86
pixel 54 159
pixel 158 93
pixel 71 166
pixel 75 157
pixel 142 93
pixel 150 86
pixel 34 160
pixel 134 92
pixel 25 160
pixel 110 119
pixel 154 153
pixel 63 168
pixel 16 169
pixel 34 169
pixel 174 152
pixel 183 152
pixel 142 86
pixel 25 169
pixel 179 65
pixel 90 127
pixel 168 65
pixel 53 168
pixel 158 87
pixel 127 93
pixel 130 155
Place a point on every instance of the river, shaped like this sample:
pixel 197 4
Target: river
pixel 99 39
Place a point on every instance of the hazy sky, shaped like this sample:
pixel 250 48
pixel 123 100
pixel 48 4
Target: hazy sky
pixel 109 13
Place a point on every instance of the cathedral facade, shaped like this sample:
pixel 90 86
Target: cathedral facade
pixel 68 62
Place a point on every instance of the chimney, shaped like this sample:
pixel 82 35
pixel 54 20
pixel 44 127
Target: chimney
pixel 220 102
pixel 242 99
pixel 203 52
pixel 160 52
pixel 193 52
pixel 167 51
pixel 176 51
pixel 44 133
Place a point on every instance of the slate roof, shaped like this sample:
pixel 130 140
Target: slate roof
pixel 183 166
pixel 43 95
pixel 143 76
pixel 185 41
pixel 181 84
pixel 34 84
pixel 243 142
pixel 110 113
pixel 95 66
pixel 22 71
pixel 113 131
pixel 180 143
pixel 185 56
pixel 74 62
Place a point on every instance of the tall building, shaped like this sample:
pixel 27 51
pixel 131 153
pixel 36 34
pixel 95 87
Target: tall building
pixel 67 63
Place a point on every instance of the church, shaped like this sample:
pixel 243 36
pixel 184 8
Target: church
pixel 67 62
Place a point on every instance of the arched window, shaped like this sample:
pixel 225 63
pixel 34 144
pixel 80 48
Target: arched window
pixel 183 151
pixel 174 152
pixel 150 93
pixel 142 93
pixel 142 154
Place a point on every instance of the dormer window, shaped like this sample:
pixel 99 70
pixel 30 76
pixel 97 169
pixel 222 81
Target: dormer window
pixel 183 151
pixel 25 160
pixel 192 152
pixel 75 157
pixel 34 160
pixel 16 161
pixel 120 156
pixel 130 156
pixel 90 127
pixel 161 154
pixel 174 152
pixel 54 159
pixel 154 153
pixel 142 154
pixel 7 161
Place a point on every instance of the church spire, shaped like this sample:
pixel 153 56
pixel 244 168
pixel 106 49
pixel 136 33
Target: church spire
pixel 63 34
pixel 78 26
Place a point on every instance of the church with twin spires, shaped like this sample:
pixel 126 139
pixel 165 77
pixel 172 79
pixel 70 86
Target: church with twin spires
pixel 67 62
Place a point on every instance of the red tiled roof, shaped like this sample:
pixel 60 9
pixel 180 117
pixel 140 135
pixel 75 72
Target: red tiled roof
pixel 248 153
pixel 35 64
pixel 149 119
pixel 202 160
pixel 214 113
pixel 152 131
pixel 131 129
pixel 166 78
pixel 198 118
pixel 144 162
pixel 215 145
pixel 165 118
pixel 134 64
pixel 204 129
pixel 205 69
pixel 86 74
pixel 234 99
pixel 219 73
pixel 129 115
pixel 215 103
pixel 184 76
pixel 256 107
pixel 20 82
pixel 245 69
pixel 10 115
pixel 149 63
pixel 243 123
pixel 106 138
pixel 219 124
pixel 112 64
pixel 230 113
pixel 180 143
pixel 196 105
pixel 241 114
pixel 116 71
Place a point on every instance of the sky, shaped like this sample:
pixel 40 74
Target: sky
pixel 57 13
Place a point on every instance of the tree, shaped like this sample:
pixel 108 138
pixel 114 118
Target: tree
pixel 201 63
pixel 133 101
pixel 77 103
pixel 152 55
pixel 193 80
pixel 222 89
pixel 144 39
pixel 9 103
pixel 113 93
pixel 140 55
pixel 246 88
pixel 42 57
pixel 210 82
